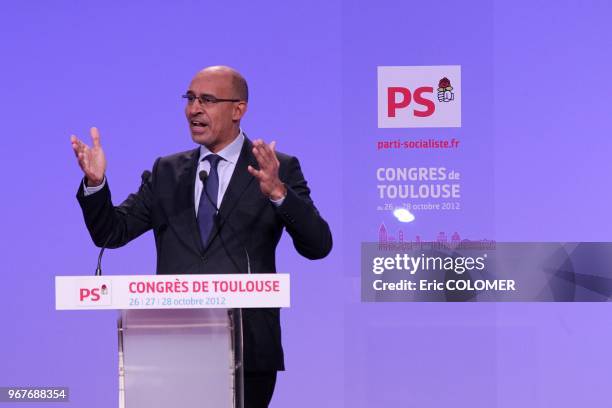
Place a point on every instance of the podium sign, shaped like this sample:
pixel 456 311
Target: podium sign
pixel 180 336
pixel 222 291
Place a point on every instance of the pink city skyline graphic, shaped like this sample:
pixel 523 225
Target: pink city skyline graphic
pixel 387 241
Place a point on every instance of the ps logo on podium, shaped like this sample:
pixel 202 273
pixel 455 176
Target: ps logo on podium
pixel 419 96
pixel 94 295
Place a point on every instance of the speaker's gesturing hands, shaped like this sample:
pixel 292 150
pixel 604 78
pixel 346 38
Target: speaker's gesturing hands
pixel 91 159
pixel 267 175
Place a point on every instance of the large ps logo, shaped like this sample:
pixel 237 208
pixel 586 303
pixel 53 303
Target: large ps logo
pixel 423 96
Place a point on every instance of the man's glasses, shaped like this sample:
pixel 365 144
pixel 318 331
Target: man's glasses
pixel 206 100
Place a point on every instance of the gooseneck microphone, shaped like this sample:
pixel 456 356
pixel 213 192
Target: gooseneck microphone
pixel 99 267
pixel 203 175
pixel 143 179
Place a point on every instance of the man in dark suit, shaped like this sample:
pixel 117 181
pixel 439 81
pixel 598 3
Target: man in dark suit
pixel 220 208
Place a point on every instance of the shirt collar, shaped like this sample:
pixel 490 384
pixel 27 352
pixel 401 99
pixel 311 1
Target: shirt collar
pixel 229 153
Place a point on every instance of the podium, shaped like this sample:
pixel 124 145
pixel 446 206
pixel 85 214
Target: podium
pixel 179 336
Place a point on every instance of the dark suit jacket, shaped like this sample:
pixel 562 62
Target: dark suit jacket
pixel 247 220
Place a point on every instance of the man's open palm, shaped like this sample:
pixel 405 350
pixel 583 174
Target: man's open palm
pixel 91 159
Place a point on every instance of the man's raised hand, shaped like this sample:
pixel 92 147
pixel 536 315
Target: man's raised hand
pixel 90 159
pixel 267 175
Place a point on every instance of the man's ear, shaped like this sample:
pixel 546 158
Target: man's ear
pixel 239 110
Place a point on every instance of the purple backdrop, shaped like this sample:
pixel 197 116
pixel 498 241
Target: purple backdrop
pixel 534 140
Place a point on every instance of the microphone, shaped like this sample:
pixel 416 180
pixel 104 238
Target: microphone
pixel 99 267
pixel 144 177
pixel 203 176
pixel 221 221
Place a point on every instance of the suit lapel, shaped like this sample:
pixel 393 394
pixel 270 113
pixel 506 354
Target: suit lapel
pixel 184 218
pixel 241 178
